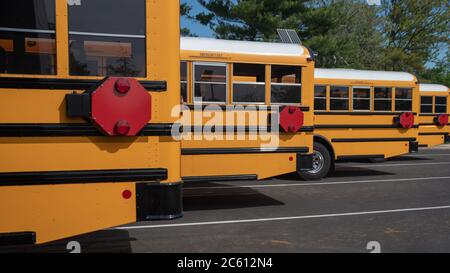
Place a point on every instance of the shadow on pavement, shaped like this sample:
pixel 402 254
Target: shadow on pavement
pixel 209 198
pixel 105 241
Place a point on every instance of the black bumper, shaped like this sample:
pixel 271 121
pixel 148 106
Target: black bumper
pixel 159 201
pixel 413 147
pixel 304 162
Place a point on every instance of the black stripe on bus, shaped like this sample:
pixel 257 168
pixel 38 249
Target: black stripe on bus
pixel 428 115
pixel 358 157
pixel 364 113
pixel 238 129
pixel 68 84
pixel 372 140
pixel 360 126
pixel 434 134
pixel 77 177
pixel 219 178
pixel 212 151
pixel 243 108
pixel 431 124
pixel 72 129
pixel 18 238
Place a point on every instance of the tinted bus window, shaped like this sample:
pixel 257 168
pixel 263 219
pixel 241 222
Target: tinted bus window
pixel 183 81
pixel 107 37
pixel 382 99
pixel 426 105
pixel 339 97
pixel 27 37
pixel 440 105
pixel 361 98
pixel 249 83
pixel 210 82
pixel 320 97
pixel 403 99
pixel 286 87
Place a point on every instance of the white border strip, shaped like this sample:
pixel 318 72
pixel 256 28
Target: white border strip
pixel 285 218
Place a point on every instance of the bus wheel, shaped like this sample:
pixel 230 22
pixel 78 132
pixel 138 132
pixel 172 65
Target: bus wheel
pixel 321 163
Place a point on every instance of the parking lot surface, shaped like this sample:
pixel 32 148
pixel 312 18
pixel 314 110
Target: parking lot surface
pixel 401 205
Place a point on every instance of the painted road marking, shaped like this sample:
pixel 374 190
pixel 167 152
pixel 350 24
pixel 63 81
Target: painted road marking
pixel 317 216
pixel 323 183
pixel 394 165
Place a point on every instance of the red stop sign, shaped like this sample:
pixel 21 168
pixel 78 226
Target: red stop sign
pixel 120 107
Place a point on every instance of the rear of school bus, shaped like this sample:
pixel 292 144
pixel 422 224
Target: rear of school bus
pixel 86 94
pixel 434 111
pixel 247 109
pixel 363 115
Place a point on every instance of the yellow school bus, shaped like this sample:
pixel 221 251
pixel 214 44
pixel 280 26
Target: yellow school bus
pixel 87 91
pixel 247 109
pixel 434 110
pixel 362 115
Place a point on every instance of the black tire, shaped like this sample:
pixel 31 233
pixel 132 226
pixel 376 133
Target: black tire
pixel 325 168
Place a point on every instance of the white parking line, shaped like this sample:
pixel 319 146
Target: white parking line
pixel 322 183
pixel 284 218
pixel 394 165
pixel 425 155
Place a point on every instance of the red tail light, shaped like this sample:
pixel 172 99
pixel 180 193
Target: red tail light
pixel 126 194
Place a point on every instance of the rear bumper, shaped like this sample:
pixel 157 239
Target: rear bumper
pixel 413 147
pixel 304 162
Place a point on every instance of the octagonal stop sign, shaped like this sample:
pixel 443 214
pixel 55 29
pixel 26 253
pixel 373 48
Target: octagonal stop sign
pixel 120 106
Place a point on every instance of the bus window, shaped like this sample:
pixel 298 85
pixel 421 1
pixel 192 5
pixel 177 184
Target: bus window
pixel 27 37
pixel 403 99
pixel 249 83
pixel 286 87
pixel 183 81
pixel 383 99
pixel 339 96
pixel 320 97
pixel 440 105
pixel 107 38
pixel 426 105
pixel 210 82
pixel 361 98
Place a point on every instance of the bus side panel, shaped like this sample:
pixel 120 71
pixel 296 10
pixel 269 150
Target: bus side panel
pixel 66 210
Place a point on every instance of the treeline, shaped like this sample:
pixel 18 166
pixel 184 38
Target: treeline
pixel 398 35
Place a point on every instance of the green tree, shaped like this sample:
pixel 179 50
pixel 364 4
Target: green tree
pixel 344 33
pixel 414 32
pixel 250 19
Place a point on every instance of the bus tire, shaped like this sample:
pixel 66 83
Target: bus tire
pixel 321 163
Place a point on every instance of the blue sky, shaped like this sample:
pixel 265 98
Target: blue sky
pixel 195 28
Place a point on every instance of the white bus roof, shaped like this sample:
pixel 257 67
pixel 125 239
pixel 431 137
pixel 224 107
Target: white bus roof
pixel 425 87
pixel 352 74
pixel 241 47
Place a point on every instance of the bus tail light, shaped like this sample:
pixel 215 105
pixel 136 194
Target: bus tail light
pixel 405 120
pixel 291 119
pixel 441 120
pixel 116 106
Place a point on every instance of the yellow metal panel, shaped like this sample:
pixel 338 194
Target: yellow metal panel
pixel 263 165
pixel 59 211
pixel 82 153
